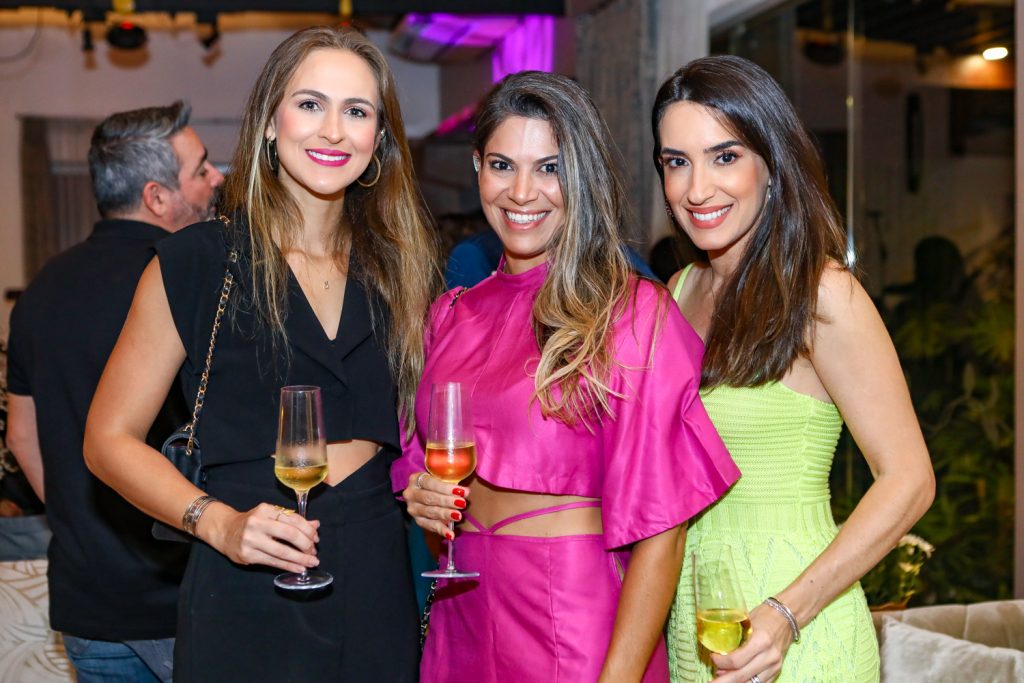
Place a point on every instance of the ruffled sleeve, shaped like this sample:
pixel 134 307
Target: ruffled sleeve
pixel 663 460
pixel 412 456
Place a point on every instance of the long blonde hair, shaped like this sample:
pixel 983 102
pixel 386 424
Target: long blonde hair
pixel 588 282
pixel 386 225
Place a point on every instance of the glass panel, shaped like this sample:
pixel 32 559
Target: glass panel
pixel 916 131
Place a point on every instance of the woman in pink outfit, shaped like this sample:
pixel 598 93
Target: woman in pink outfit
pixel 593 447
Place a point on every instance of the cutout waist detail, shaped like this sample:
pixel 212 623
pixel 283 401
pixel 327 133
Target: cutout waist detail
pixel 529 514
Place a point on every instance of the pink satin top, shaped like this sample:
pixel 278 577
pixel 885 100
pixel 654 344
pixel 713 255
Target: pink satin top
pixel 655 464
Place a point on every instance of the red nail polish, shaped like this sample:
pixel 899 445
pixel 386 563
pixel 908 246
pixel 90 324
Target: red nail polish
pixel 457 516
pixel 458 491
pixel 449 535
pixel 459 503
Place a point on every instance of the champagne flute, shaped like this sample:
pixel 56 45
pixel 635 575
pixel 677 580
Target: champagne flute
pixel 450 453
pixel 301 464
pixel 723 623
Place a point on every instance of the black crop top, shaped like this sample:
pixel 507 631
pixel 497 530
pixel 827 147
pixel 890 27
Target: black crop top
pixel 239 418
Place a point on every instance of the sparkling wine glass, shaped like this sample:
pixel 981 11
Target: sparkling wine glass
pixel 301 464
pixel 723 623
pixel 450 453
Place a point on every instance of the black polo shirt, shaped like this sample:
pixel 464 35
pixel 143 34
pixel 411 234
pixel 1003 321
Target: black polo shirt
pixel 109 579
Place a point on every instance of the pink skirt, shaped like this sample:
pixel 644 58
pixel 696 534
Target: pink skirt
pixel 542 610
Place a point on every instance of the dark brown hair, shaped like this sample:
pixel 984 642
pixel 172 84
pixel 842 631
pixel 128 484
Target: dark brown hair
pixel 765 314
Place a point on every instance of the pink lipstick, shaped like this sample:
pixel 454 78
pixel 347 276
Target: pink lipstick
pixel 328 157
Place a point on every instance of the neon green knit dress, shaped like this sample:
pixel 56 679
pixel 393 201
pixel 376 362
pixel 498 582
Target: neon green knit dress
pixel 778 519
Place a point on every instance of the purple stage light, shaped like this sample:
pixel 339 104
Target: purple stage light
pixel 530 46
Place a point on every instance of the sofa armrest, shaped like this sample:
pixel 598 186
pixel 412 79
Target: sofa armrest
pixel 999 623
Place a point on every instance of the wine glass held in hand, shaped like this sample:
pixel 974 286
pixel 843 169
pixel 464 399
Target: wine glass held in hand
pixel 450 453
pixel 723 623
pixel 301 463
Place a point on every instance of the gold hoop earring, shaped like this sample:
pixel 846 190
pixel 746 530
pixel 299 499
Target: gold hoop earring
pixel 270 152
pixel 375 178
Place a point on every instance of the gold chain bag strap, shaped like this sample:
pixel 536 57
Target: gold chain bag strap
pixel 182 447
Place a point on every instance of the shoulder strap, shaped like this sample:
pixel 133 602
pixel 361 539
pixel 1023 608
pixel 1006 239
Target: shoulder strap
pixel 222 304
pixel 679 283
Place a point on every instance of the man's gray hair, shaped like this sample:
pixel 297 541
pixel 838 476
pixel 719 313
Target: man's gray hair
pixel 131 148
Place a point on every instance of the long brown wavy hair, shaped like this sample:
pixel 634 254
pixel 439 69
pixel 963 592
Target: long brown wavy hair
pixel 386 225
pixel 588 280
pixel 765 313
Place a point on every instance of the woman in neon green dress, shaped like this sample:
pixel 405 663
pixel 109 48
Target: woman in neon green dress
pixel 794 347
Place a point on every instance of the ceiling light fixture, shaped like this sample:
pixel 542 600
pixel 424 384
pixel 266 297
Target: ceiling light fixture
pixel 126 35
pixel 994 53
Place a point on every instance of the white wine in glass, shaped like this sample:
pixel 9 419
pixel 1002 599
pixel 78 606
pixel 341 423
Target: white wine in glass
pixel 450 453
pixel 723 623
pixel 301 463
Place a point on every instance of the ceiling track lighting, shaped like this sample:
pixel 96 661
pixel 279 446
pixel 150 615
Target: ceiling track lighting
pixel 209 31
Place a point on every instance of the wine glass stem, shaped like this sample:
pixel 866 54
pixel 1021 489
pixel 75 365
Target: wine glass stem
pixel 301 497
pixel 451 549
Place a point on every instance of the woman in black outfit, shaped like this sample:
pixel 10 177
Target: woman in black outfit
pixel 334 273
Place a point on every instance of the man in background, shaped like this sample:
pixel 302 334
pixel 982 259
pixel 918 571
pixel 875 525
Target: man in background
pixel 113 587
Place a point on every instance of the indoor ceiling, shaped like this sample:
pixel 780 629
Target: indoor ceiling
pixel 373 13
pixel 959 27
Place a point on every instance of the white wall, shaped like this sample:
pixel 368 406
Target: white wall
pixel 53 79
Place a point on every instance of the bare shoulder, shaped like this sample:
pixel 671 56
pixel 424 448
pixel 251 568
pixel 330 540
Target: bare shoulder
pixel 673 281
pixel 151 284
pixel 840 294
pixel 848 321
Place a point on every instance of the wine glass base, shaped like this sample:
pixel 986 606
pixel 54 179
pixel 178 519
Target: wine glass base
pixel 445 574
pixel 299 582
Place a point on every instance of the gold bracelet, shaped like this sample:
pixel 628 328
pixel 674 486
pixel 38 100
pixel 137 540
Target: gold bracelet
pixel 194 511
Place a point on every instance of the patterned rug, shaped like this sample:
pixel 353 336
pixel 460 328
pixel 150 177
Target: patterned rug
pixel 29 651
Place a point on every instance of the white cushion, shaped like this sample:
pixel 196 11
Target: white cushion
pixel 913 654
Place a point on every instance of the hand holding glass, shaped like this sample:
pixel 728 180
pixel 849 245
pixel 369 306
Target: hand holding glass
pixel 722 620
pixel 450 453
pixel 301 463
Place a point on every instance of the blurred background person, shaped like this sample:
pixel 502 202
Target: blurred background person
pixel 113 587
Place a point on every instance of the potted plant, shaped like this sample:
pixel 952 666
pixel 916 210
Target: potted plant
pixel 894 580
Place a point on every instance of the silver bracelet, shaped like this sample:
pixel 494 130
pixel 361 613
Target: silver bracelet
pixel 787 613
pixel 193 512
